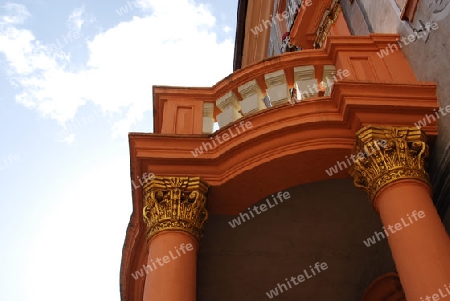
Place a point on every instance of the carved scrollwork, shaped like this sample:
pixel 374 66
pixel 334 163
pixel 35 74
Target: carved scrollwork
pixel 175 204
pixel 402 156
pixel 329 18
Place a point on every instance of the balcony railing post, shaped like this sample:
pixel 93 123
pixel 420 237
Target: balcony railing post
pixel 230 107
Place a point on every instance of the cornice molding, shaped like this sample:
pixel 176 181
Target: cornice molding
pixel 351 106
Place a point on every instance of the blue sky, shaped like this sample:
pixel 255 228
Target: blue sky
pixel 75 78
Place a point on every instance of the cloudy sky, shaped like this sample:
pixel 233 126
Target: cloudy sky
pixel 75 78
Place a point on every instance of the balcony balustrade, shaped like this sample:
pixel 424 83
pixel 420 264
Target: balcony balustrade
pixel 310 74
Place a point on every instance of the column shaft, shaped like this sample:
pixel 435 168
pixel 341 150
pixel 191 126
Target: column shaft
pixel 175 278
pixel 390 166
pixel 421 247
pixel 175 214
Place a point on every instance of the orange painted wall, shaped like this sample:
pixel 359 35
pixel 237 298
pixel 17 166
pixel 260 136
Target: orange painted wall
pixel 255 45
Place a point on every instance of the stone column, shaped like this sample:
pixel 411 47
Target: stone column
pixel 175 214
pixel 390 167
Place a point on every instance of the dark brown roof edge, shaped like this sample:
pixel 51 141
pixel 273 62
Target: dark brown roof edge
pixel 240 34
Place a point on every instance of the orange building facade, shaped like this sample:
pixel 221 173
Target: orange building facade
pixel 316 185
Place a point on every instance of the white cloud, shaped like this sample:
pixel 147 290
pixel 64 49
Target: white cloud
pixel 227 29
pixel 15 14
pixel 78 18
pixel 174 45
pixel 144 4
pixel 69 139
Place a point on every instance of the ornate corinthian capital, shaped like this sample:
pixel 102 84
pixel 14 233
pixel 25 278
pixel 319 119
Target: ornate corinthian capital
pixel 175 204
pixel 386 154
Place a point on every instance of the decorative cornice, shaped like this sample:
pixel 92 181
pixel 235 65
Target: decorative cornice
pixel 329 18
pixel 386 154
pixel 317 130
pixel 175 204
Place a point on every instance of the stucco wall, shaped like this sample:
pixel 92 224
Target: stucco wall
pixel 321 222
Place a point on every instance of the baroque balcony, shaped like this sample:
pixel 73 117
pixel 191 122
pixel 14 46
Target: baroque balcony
pixel 366 89
pixel 310 74
pixel 297 143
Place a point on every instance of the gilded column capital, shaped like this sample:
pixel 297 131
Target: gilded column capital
pixel 175 204
pixel 385 154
